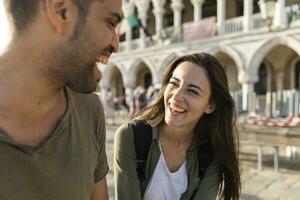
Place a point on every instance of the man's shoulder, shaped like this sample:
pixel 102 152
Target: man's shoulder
pixel 85 102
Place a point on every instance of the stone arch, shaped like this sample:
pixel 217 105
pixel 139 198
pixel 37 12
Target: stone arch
pixel 231 70
pixel 263 49
pixel 236 57
pixel 108 72
pixel 294 64
pixel 166 61
pixel 135 67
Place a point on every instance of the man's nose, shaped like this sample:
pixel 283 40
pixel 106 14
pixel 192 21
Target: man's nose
pixel 115 42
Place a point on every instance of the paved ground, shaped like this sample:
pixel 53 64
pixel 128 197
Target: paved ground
pixel 256 185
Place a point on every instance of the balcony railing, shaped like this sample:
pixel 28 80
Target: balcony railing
pixel 233 25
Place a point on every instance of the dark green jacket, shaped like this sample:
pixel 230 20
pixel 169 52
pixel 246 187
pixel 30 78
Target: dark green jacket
pixel 127 184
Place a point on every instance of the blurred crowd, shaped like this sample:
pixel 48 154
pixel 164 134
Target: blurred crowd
pixel 123 107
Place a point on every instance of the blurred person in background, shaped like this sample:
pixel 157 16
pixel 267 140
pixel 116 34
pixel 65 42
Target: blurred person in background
pixel 139 99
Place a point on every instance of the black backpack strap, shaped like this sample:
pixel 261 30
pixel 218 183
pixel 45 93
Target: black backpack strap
pixel 205 157
pixel 142 135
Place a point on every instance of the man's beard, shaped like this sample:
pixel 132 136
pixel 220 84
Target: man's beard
pixel 72 64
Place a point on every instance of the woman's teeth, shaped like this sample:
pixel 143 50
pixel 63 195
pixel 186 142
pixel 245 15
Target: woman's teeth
pixel 177 109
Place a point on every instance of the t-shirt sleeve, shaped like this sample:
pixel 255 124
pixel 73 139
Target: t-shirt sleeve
pixel 102 164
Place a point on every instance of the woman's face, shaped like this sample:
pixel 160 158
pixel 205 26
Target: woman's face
pixel 186 97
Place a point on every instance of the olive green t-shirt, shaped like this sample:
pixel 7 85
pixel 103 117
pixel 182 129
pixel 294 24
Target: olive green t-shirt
pixel 66 165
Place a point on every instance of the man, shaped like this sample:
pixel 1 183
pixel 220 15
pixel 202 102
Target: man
pixel 52 131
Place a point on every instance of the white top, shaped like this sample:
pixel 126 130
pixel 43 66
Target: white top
pixel 165 185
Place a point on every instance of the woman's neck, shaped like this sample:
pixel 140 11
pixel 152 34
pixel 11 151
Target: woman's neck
pixel 176 135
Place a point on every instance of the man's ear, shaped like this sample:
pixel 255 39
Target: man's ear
pixel 210 108
pixel 61 13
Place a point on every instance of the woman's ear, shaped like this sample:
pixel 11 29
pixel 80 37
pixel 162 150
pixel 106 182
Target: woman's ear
pixel 210 108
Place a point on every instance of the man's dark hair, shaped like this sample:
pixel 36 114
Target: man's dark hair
pixel 22 12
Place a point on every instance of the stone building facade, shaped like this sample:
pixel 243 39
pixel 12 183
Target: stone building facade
pixel 262 64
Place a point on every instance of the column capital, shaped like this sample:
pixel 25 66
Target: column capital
pixel 158 11
pixel 129 84
pixel 158 3
pixel 104 84
pixel 128 8
pixel 143 7
pixel 197 2
pixel 245 78
pixel 177 5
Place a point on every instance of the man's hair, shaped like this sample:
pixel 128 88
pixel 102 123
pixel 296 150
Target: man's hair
pixel 22 12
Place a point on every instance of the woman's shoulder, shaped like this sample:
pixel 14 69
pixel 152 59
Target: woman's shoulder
pixel 124 142
pixel 124 133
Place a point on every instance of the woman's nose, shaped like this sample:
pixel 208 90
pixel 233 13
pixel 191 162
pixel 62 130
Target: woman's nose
pixel 178 94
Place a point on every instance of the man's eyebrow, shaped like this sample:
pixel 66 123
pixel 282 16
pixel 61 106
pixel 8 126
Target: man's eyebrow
pixel 117 16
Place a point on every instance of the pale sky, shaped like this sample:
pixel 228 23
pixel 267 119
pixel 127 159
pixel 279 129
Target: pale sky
pixel 4 30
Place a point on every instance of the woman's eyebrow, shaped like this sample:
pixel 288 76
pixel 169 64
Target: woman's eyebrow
pixel 197 87
pixel 176 79
pixel 190 85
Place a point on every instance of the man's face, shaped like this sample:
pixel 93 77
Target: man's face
pixel 93 40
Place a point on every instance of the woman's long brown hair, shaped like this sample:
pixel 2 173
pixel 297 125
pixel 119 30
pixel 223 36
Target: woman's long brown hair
pixel 219 126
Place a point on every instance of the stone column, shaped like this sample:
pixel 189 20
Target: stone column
pixel 177 7
pixel 248 96
pixel 143 6
pixel 128 9
pixel 248 11
pixel 280 15
pixel 197 9
pixel 280 107
pixel 104 93
pixel 279 79
pixel 129 88
pixel 220 16
pixel 159 14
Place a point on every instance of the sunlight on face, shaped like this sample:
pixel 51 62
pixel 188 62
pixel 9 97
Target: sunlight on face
pixel 187 95
pixel 4 33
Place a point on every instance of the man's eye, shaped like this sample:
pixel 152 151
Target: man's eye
pixel 112 24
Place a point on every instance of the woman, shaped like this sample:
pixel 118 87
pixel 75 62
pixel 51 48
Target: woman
pixel 193 110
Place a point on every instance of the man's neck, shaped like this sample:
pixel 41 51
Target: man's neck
pixel 23 88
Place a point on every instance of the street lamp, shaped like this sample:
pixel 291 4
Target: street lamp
pixel 267 9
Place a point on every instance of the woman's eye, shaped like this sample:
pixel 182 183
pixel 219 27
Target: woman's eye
pixel 194 92
pixel 173 83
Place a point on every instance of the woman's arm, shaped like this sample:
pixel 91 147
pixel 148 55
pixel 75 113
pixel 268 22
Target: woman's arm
pixel 127 185
pixel 209 186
